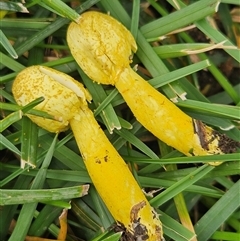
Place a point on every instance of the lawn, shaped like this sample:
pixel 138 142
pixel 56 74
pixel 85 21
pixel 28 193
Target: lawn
pixel 189 52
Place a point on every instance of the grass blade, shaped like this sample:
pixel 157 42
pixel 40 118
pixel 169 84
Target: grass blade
pixel 180 18
pixel 181 185
pixel 61 9
pixel 218 214
pixel 11 197
pixel 27 211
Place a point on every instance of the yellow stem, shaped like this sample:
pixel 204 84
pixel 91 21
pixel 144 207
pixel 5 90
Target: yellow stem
pixel 161 117
pixel 112 177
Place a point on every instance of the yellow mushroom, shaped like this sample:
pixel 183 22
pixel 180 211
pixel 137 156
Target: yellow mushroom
pixel 67 99
pixel 102 47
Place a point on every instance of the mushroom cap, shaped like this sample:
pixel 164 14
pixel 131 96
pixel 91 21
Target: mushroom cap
pixel 63 95
pixel 101 46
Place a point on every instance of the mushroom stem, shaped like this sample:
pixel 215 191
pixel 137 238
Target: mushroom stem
pixel 164 119
pixel 112 177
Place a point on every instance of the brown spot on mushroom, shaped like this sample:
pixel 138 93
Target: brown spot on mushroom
pixel 200 131
pixel 225 144
pixel 98 161
pixel 135 210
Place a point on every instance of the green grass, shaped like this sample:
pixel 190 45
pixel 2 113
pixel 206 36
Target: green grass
pixel 190 194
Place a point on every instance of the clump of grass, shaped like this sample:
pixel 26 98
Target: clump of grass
pixel 195 201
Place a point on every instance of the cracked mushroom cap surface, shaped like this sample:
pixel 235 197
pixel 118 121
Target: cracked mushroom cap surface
pixel 101 45
pixel 62 94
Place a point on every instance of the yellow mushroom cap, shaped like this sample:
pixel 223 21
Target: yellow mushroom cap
pixel 62 95
pixel 101 45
